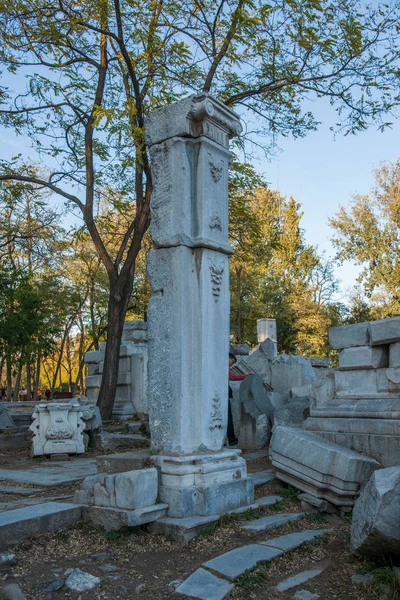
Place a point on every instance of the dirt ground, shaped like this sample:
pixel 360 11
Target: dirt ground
pixel 139 565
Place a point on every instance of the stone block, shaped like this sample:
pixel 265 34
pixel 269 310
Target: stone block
pixel 347 336
pixel 239 349
pixel 293 414
pixel 364 357
pixel 94 356
pixel 136 489
pixel 18 525
pixel 235 563
pixel 124 461
pixel 110 442
pixel 130 490
pixel 378 438
pixel 385 331
pixel 394 355
pixel 114 519
pixel 93 381
pixel 319 467
pixel 291 582
pixel 288 372
pixel 260 364
pixel 5 419
pixel 375 527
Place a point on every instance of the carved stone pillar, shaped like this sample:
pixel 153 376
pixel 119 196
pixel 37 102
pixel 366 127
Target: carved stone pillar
pixel 188 316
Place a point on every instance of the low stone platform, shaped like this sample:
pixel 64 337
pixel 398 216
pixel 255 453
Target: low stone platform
pixel 17 525
pixel 123 461
pixel 52 475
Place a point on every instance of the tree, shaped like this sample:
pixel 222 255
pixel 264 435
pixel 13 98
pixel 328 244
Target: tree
pixel 368 233
pixel 97 67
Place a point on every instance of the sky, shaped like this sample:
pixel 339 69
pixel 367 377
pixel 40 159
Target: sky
pixel 323 171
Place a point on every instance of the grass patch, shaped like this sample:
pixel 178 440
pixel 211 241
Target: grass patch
pixel 252 578
pixel 385 580
pixel 316 517
pixel 290 493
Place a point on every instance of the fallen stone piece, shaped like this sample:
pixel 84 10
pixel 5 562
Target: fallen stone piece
pixel 205 586
pixel 17 525
pixel 55 585
pixel 364 357
pixel 80 581
pixel 5 419
pixel 288 372
pixel 114 519
pixel 291 541
pixel 394 355
pixel 305 595
pixel 311 503
pixel 259 503
pixel 271 522
pixel 292 414
pixel 348 336
pixel 8 558
pixel 360 578
pixel 11 591
pixel 234 563
pixel 300 578
pixel 385 331
pixel 182 530
pixel 255 455
pixel 319 467
pixel 375 527
pixel 130 490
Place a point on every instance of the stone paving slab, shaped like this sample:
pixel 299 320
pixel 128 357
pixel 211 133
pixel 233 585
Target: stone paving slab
pixel 19 490
pixel 17 525
pixel 22 502
pixel 262 477
pixel 300 578
pixel 260 503
pixel 62 473
pixel 205 586
pixel 267 523
pixel 305 595
pixel 236 562
pixel 294 540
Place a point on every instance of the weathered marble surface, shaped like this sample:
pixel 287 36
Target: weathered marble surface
pixel 57 429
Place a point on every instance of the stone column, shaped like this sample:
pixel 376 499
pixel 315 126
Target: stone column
pixel 188 316
pixel 266 329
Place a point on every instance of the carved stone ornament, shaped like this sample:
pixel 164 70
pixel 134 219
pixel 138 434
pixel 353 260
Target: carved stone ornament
pixel 216 170
pixel 216 415
pixel 215 222
pixel 57 429
pixel 217 272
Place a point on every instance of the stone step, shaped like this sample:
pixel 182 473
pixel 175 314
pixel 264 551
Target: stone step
pixel 299 578
pixel 271 522
pixel 23 502
pixel 17 525
pixel 228 567
pixel 19 490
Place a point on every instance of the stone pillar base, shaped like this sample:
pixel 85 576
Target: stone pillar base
pixel 204 484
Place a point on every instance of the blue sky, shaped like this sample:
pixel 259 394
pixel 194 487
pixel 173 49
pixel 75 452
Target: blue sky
pixel 323 171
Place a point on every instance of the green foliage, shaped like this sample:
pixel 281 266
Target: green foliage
pixel 369 235
pixel 290 493
pixel 252 578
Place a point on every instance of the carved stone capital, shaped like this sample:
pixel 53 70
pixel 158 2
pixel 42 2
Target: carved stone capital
pixel 195 116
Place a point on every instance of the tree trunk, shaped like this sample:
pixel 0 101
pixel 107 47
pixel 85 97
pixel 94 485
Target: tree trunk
pixel 37 377
pixel 9 377
pixel 238 305
pixel 17 384
pixel 120 293
pixel 28 380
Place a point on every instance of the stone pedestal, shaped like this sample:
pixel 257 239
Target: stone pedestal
pixel 266 330
pixel 57 429
pixel 131 394
pixel 188 316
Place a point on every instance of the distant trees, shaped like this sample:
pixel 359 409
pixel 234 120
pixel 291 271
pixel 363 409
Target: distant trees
pixel 368 233
pixel 94 69
pixel 274 273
